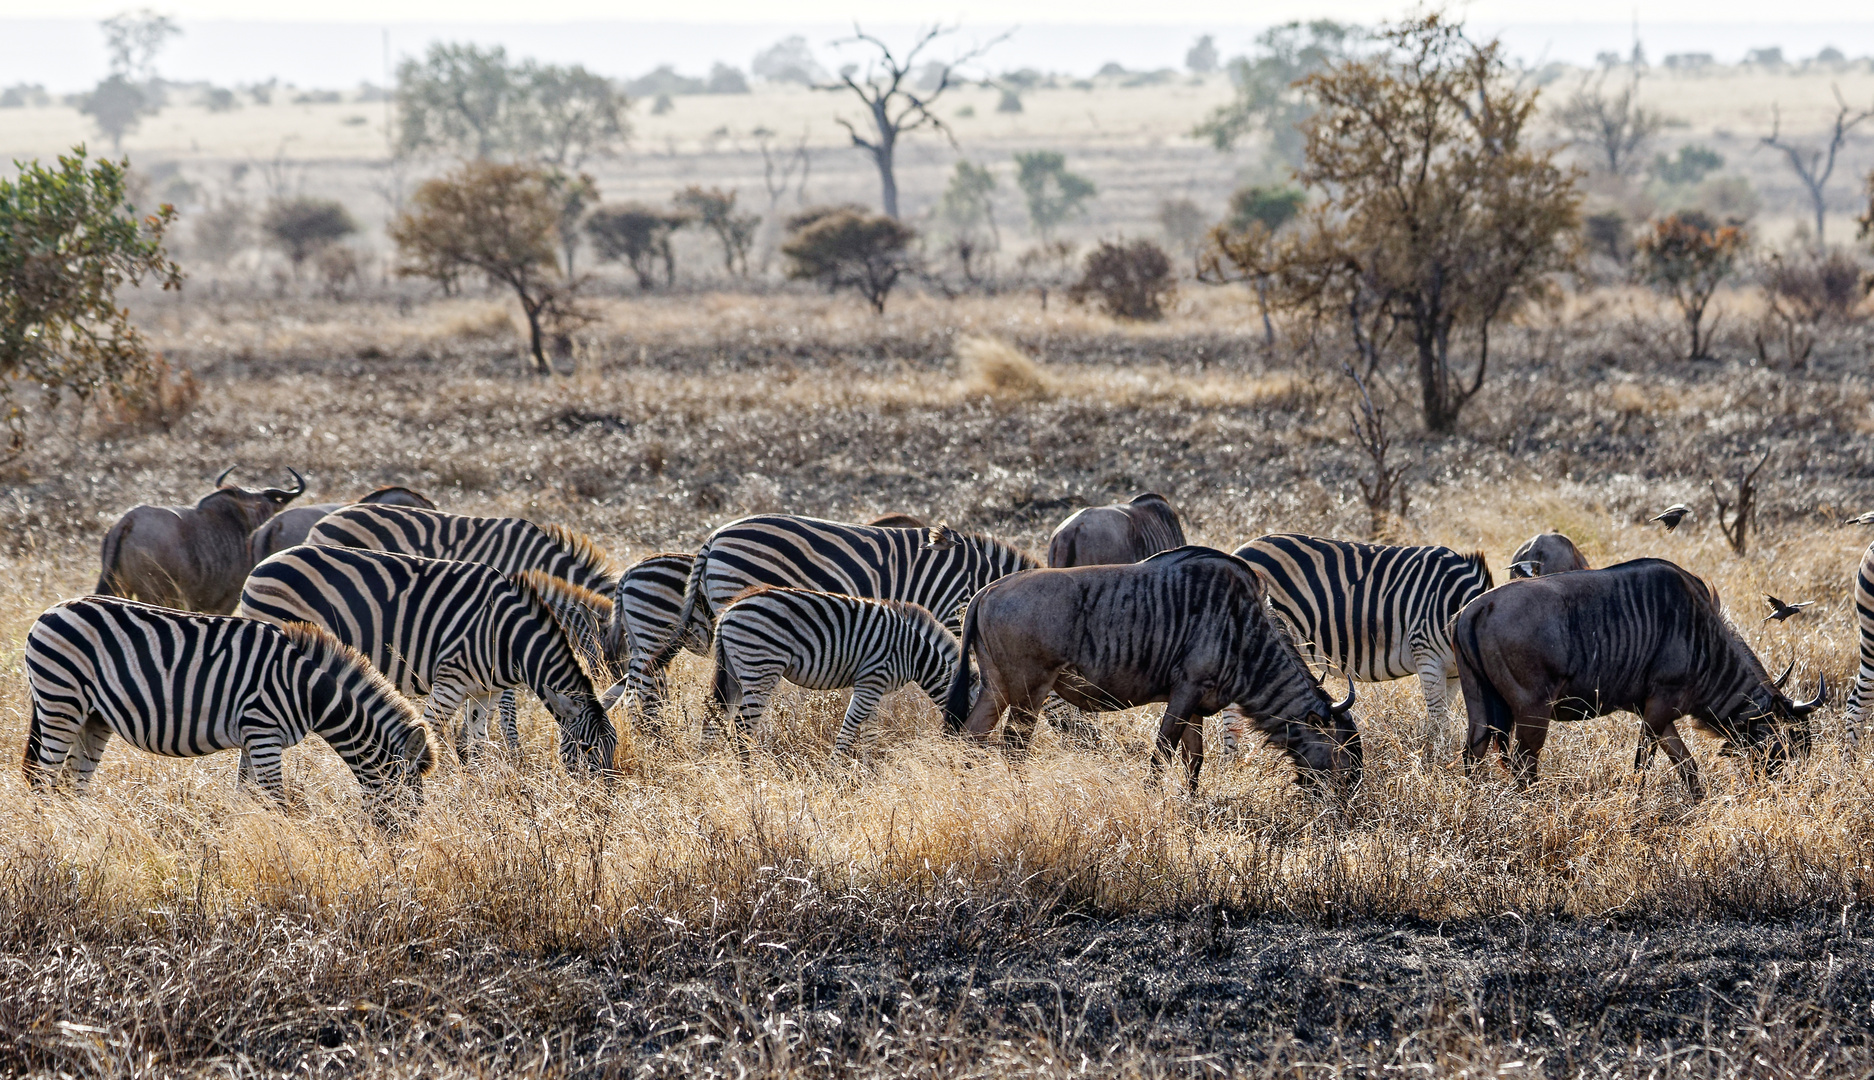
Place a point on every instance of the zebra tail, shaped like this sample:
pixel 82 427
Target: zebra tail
pixel 692 618
pixel 1497 718
pixel 113 548
pixel 728 689
pixel 957 701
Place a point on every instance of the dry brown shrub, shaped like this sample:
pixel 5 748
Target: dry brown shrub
pixel 159 400
pixel 993 368
pixel 490 323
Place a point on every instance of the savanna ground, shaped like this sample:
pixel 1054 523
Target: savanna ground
pixel 940 910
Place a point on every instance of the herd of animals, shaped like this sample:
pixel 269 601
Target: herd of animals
pixel 240 624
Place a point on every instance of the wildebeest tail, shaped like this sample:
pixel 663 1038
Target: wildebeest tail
pixel 113 546
pixel 695 610
pixel 957 701
pixel 1497 718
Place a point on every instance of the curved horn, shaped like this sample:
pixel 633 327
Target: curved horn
pixel 1347 704
pixel 224 475
pixel 1804 708
pixel 1783 678
pixel 297 479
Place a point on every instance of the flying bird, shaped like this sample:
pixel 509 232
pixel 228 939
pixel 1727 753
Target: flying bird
pixel 1674 514
pixel 1780 611
pixel 1861 519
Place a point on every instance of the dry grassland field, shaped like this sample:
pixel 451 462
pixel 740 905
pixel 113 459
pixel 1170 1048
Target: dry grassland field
pixel 939 910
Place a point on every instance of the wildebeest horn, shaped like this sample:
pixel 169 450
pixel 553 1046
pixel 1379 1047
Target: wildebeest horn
pixel 1345 705
pixel 297 479
pixel 224 475
pixel 1804 708
pixel 1783 678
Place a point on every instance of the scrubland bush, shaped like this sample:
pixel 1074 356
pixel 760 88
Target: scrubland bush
pixel 1686 256
pixel 638 236
pixel 714 209
pixel 1127 280
pixel 847 249
pixel 301 227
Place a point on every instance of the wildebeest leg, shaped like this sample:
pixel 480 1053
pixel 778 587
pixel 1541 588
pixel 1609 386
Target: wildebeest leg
pixel 1176 730
pixel 1531 734
pixel 1659 729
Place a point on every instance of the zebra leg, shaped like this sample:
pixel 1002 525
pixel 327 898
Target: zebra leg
pixel 86 751
pixel 1857 698
pixel 865 697
pixel 510 727
pixel 1071 722
pixel 445 698
pixel 51 739
pixel 261 746
pixel 750 709
pixel 1434 685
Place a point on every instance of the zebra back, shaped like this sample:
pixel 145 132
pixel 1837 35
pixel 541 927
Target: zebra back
pixel 829 637
pixel 508 544
pixel 184 685
pixel 938 569
pixel 646 606
pixel 1366 608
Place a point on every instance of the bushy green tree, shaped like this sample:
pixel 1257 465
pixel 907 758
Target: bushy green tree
pixel 68 241
pixel 966 215
pixel 846 248
pixel 1268 98
pixel 1052 193
pixel 1270 207
pixel 473 102
pixel 117 107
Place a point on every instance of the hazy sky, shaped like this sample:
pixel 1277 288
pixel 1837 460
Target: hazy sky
pixel 1260 12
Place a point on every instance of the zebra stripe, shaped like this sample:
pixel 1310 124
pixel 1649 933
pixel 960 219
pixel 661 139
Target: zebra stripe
pixel 1864 618
pixel 824 641
pixel 646 611
pixel 1372 612
pixel 451 630
pixel 184 685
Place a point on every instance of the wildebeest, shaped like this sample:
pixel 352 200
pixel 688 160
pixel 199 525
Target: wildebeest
pixel 1546 553
pixel 190 557
pixel 896 521
pixel 1125 532
pixel 288 528
pixel 1186 627
pixel 1645 637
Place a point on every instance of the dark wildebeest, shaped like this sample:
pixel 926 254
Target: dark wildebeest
pixel 288 528
pixel 1644 637
pixel 1186 627
pixel 1125 532
pixel 190 557
pixel 896 521
pixel 1547 553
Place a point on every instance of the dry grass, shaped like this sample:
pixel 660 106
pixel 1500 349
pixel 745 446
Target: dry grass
pixel 940 910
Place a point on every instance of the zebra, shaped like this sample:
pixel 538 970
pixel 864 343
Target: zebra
pixel 938 569
pixel 826 641
pixel 1864 674
pixel 510 545
pixel 451 630
pixel 1372 612
pixel 183 684
pixel 646 607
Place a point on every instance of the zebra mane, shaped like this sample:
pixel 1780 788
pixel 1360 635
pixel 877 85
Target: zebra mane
pixel 583 550
pixel 1476 559
pixel 557 592
pixel 329 653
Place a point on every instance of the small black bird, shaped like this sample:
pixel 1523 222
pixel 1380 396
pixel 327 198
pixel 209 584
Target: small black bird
pixel 1780 611
pixel 1861 519
pixel 1674 514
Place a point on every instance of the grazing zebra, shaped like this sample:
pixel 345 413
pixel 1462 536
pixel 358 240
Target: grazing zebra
pixel 510 545
pixel 451 630
pixel 1864 618
pixel 645 611
pixel 1372 612
pixel 185 685
pixel 825 641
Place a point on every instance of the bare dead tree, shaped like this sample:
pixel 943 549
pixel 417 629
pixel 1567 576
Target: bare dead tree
pixel 1616 126
pixel 1812 166
pixel 1736 531
pixel 777 172
pixel 896 107
pixel 1367 421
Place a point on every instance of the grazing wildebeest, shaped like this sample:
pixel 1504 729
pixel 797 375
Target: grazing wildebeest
pixel 288 528
pixel 1546 553
pixel 1186 627
pixel 1644 637
pixel 190 557
pixel 897 521
pixel 1125 532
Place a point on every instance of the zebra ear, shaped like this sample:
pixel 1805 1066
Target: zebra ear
pixel 941 537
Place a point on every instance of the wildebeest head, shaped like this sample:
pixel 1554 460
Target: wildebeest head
pixel 253 506
pixel 1763 719
pixel 1546 553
